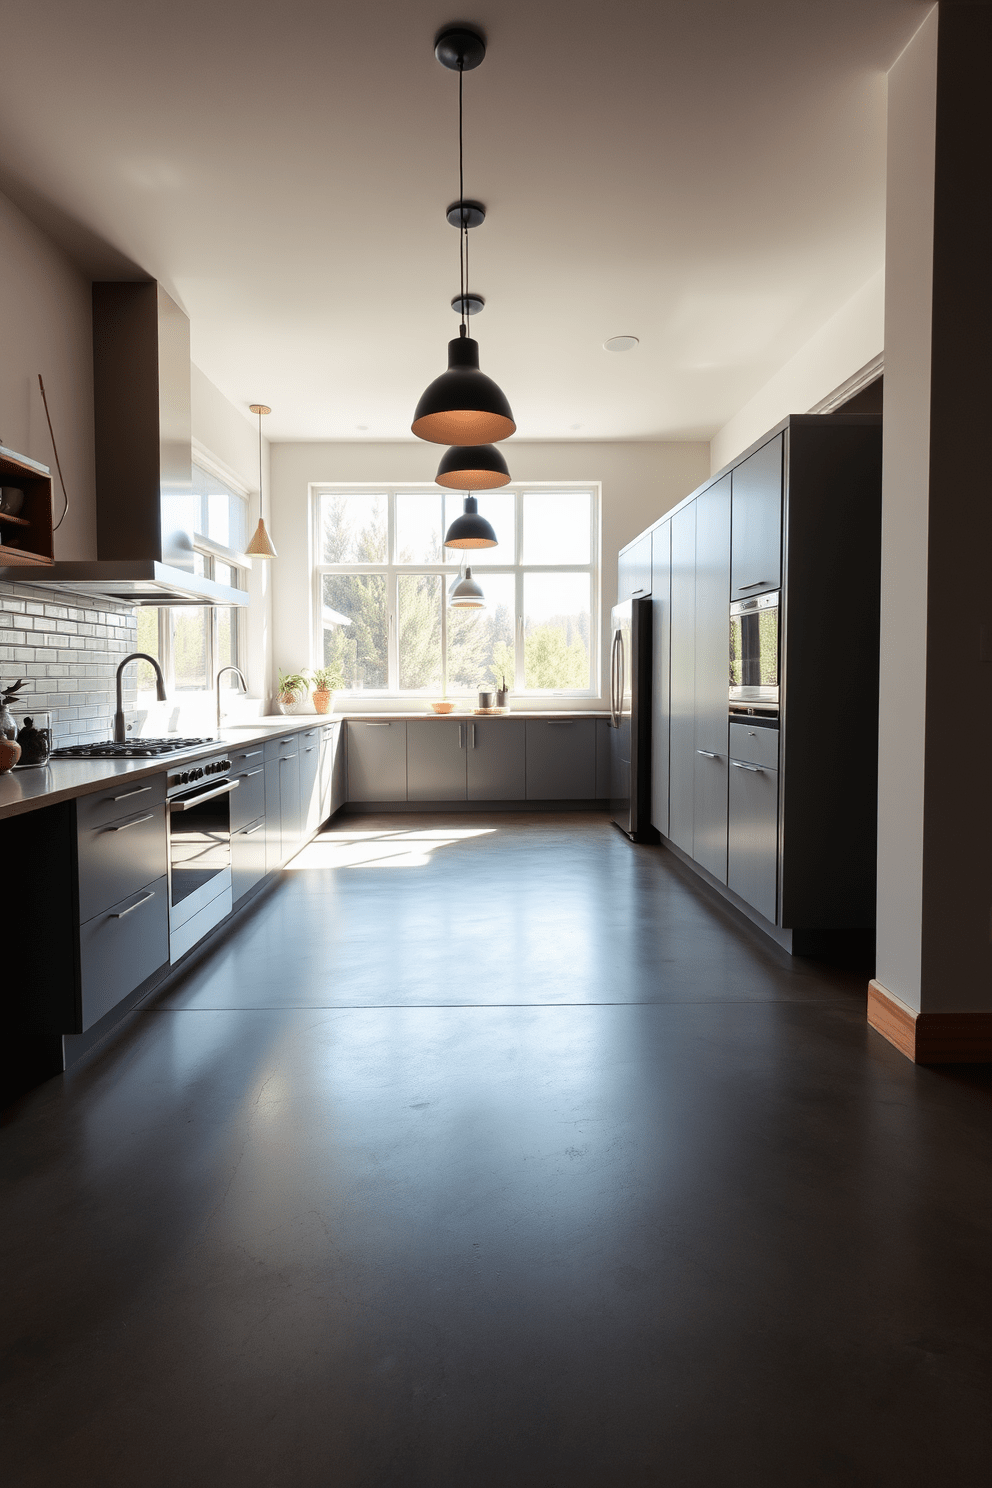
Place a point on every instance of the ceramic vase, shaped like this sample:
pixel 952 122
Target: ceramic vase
pixel 10 753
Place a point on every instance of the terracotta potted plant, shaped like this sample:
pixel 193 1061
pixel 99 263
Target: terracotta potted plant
pixel 326 682
pixel 293 689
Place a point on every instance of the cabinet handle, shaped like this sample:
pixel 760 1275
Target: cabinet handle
pixel 640 590
pixel 471 735
pixel 461 736
pixel 284 758
pixel 377 725
pixel 186 803
pixel 136 823
pixel 247 831
pixel 252 773
pixel 560 722
pixel 251 754
pixel 128 794
pixel 310 749
pixel 120 913
pixel 708 753
pixel 754 769
pixel 754 584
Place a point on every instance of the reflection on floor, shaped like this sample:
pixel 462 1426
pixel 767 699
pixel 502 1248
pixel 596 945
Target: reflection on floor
pixel 531 1167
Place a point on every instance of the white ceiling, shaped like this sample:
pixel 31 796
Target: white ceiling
pixel 705 174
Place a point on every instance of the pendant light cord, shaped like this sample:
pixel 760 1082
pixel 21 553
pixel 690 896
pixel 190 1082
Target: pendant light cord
pixel 463 231
pixel 260 466
pixel 58 462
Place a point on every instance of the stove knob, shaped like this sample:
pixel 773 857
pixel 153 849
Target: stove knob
pixel 183 777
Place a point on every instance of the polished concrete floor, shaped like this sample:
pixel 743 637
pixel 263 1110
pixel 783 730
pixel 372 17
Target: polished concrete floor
pixel 492 1151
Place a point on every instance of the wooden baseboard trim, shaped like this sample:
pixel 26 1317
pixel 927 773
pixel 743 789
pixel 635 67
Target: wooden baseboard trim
pixel 930 1038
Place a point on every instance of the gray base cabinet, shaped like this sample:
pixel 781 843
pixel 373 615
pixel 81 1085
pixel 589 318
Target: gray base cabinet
pixel 561 759
pixel 752 861
pixel 247 858
pixel 377 761
pixel 309 752
pixel 120 948
pixel 709 814
pixel 497 760
pixel 436 766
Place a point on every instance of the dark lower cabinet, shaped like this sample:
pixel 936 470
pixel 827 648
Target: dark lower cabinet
pixel 752 857
pixel 309 782
pixel 247 857
pixel 709 813
pixel 120 948
pixel 497 760
pixel 119 857
pixel 561 759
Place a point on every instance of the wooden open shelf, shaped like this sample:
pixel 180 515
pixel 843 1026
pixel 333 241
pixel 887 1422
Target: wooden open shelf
pixel 26 540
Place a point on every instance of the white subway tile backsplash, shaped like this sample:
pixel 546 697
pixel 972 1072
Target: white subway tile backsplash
pixel 69 657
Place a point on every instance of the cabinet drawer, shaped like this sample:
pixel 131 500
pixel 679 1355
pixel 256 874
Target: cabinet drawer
pixel 123 798
pixel 122 946
pixel 248 801
pixel 286 744
pixel 247 857
pixel 754 745
pixel 248 758
pixel 120 858
pixel 377 761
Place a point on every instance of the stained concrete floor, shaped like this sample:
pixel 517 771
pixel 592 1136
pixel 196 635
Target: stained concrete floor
pixel 492 1151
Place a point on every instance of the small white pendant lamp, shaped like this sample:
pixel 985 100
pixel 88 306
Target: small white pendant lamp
pixel 466 593
pixel 261 543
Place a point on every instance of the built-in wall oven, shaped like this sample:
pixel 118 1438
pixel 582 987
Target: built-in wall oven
pixel 754 650
pixel 199 809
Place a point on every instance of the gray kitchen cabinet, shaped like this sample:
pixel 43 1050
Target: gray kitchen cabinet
pixel 561 759
pixel 756 564
pixel 604 761
pixel 339 769
pixel 283 823
pixel 377 761
pixel 290 811
pixel 331 763
pixel 123 798
pixel 248 801
pixel 273 811
pixel 711 678
pixel 755 743
pixel 309 754
pixel 661 689
pixel 119 857
pixel 634 569
pixel 247 857
pixel 121 947
pixel 497 760
pixel 436 760
pixel 752 859
pixel 682 733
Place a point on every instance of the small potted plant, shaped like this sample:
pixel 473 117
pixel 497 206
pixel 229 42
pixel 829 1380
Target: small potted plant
pixel 326 682
pixel 293 689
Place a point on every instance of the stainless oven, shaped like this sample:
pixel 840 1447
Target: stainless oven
pixel 754 650
pixel 199 809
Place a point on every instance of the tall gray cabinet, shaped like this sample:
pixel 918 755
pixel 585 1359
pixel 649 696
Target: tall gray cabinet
pixel 775 806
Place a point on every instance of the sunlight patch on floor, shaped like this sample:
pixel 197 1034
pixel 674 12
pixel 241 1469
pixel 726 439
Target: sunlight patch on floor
pixel 406 849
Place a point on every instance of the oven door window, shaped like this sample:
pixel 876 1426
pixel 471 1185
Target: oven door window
pixel 754 649
pixel 200 845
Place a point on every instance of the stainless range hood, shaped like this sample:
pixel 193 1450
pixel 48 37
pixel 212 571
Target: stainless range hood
pixel 145 515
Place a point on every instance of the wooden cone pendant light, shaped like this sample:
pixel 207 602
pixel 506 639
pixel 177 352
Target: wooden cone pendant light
pixel 261 544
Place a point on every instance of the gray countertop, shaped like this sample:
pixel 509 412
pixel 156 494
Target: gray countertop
pixel 63 779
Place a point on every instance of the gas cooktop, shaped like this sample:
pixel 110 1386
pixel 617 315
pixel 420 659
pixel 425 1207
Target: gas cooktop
pixel 131 749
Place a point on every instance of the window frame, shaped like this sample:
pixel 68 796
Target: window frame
pixel 518 569
pixel 211 552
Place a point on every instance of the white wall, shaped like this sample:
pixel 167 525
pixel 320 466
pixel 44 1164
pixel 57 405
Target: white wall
pixel 640 483
pixel 847 342
pixel 230 437
pixel 46 318
pixel 905 513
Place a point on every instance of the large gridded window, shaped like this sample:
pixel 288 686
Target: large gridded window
pixel 191 643
pixel 381 566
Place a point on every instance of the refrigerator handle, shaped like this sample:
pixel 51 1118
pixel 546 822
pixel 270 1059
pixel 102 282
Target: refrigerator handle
pixel 621 675
pixel 613 681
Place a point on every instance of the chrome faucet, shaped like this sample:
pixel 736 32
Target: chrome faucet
pixel 240 676
pixel 120 733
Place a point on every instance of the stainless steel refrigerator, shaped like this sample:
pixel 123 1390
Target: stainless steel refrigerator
pixel 630 718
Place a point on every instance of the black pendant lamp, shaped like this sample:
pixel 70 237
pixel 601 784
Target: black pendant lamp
pixel 472 467
pixel 470 530
pixel 463 406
